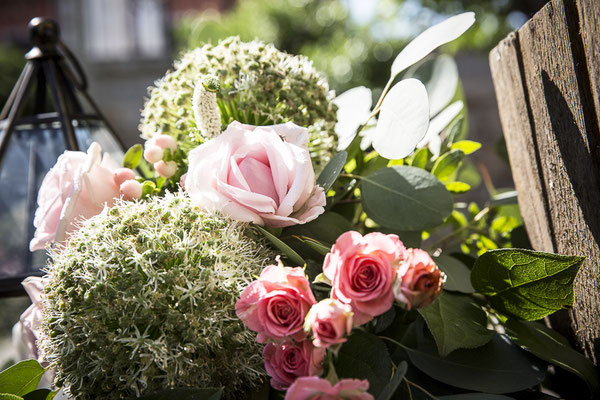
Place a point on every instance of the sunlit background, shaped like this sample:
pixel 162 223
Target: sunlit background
pixel 125 45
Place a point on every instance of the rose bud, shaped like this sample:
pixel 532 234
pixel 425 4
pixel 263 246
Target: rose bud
pixel 330 321
pixel 286 362
pixel 131 190
pixel 165 142
pixel 312 388
pixel 153 153
pixel 362 272
pixel 123 174
pixel 419 280
pixel 166 169
pixel 276 304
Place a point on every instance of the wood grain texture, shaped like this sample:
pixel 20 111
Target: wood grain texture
pixel 562 121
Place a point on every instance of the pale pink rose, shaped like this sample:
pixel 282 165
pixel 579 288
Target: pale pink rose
pixel 182 181
pixel 257 174
pixel 288 361
pixel 276 304
pixel 131 190
pixel 314 388
pixel 123 174
pixel 362 271
pixel 79 186
pixel 330 321
pixel 419 280
pixel 31 319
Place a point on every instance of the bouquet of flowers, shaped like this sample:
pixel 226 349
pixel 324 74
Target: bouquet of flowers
pixel 271 240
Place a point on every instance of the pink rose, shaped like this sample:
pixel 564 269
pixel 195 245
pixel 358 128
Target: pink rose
pixel 78 186
pixel 31 319
pixel 419 280
pixel 314 388
pixel 286 362
pixel 257 174
pixel 362 271
pixel 330 321
pixel 276 304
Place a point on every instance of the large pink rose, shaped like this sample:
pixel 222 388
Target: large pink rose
pixel 31 319
pixel 256 174
pixel 330 321
pixel 286 362
pixel 362 271
pixel 276 304
pixel 314 388
pixel 77 187
pixel 419 280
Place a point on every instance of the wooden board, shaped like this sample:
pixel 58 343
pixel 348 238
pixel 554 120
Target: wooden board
pixel 561 125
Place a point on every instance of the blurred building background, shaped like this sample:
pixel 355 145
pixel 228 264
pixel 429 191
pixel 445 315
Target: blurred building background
pixel 125 45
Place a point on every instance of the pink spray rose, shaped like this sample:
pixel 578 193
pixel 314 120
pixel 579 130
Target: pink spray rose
pixel 276 304
pixel 314 388
pixel 257 174
pixel 78 186
pixel 362 271
pixel 419 280
pixel 330 321
pixel 31 319
pixel 288 361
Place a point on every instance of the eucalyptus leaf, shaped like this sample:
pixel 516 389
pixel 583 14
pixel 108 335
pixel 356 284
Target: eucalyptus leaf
pixel 8 396
pixel 458 187
pixel 21 378
pixel 442 84
pixel 550 346
pixel 40 394
pixel 475 396
pixel 133 156
pixel 497 367
pixel 392 386
pixel 294 258
pixel 458 275
pixel 365 356
pixel 432 38
pixel 527 284
pixel 438 124
pixel 316 246
pixel 405 198
pixel 325 229
pixel 185 394
pixel 446 167
pixel 467 146
pixel 403 120
pixel 420 158
pixel 332 170
pixel 456 322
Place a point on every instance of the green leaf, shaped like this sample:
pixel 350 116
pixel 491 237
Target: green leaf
pixel 420 158
pixel 326 228
pixel 332 170
pixel 365 356
pixel 147 188
pixel 405 198
pixel 315 245
pixel 8 396
pixel 287 250
pixel 496 367
pixel 550 346
pixel 40 394
pixel 458 187
pixel 446 167
pixel 185 394
pixel 392 386
pixel 527 284
pixel 133 156
pixel 467 146
pixel 21 378
pixel 475 396
pixel 456 322
pixel 458 275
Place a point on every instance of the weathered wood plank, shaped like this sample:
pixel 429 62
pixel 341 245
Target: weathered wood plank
pixel 515 118
pixel 563 123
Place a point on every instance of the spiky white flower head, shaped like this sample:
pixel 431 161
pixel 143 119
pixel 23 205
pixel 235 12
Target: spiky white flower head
pixel 142 299
pixel 206 109
pixel 260 85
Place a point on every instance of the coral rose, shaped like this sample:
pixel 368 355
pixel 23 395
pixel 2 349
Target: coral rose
pixel 256 174
pixel 286 362
pixel 78 186
pixel 276 304
pixel 362 271
pixel 330 321
pixel 314 388
pixel 419 280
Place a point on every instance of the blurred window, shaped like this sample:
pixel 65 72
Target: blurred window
pixel 122 30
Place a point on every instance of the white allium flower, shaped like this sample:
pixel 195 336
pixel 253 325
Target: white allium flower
pixel 206 110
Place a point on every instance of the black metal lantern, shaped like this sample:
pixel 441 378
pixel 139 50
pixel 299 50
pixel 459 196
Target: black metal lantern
pixel 48 111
